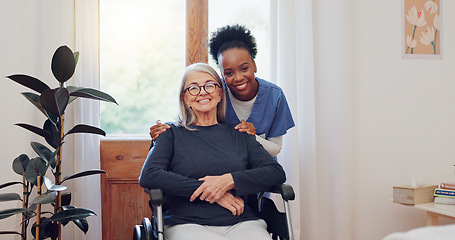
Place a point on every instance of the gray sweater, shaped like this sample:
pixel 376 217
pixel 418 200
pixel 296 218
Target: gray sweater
pixel 180 157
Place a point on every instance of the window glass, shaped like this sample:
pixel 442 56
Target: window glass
pixel 142 56
pixel 254 15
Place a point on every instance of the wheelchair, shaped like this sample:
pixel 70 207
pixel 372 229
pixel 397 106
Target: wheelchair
pixel 278 223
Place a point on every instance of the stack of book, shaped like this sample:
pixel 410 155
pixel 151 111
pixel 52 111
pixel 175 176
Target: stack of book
pixel 445 194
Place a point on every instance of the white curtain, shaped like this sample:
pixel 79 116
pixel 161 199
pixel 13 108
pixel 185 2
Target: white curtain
pixel 86 146
pixel 310 61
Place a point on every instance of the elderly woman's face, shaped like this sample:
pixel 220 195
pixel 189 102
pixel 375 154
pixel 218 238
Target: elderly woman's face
pixel 202 99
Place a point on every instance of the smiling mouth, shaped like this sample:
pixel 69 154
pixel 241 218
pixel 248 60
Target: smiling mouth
pixel 203 101
pixel 242 86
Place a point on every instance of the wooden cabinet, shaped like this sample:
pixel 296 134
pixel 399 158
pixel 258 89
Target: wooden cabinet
pixel 124 203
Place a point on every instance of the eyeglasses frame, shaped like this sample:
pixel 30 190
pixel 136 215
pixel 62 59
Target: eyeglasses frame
pixel 200 87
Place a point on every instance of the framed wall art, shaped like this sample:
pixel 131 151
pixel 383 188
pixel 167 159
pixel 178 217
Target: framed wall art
pixel 421 28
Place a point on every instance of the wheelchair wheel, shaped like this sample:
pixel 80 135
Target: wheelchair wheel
pixel 144 231
pixel 137 234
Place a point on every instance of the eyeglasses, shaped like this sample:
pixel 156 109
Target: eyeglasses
pixel 195 89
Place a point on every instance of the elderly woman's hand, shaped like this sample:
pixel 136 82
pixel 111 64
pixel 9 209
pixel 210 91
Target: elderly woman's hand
pixel 213 188
pixel 234 204
pixel 247 127
pixel 157 129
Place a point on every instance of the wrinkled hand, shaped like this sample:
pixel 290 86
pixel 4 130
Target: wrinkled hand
pixel 234 204
pixel 247 127
pixel 213 188
pixel 157 129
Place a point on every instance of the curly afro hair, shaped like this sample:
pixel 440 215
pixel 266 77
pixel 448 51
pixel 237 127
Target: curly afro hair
pixel 232 36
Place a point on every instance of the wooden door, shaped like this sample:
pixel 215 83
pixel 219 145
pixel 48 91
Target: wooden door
pixel 124 203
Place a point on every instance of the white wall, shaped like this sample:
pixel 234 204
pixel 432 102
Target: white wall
pixel 30 33
pixel 404 116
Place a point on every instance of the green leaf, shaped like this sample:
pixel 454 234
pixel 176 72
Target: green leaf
pixel 82 128
pixel 43 133
pixel 66 198
pixel 76 58
pixel 30 82
pixel 72 214
pixel 82 224
pixel 4 197
pixel 47 229
pixel 20 164
pixel 54 101
pixel 9 232
pixel 10 212
pixel 50 127
pixel 63 64
pixel 35 167
pixel 91 94
pixel 44 152
pixel 45 198
pixel 52 187
pixel 9 184
pixel 34 99
pixel 83 174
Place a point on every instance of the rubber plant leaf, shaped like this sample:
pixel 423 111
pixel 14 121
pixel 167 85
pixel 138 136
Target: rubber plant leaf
pixel 72 214
pixel 82 128
pixel 76 58
pixel 34 99
pixel 80 223
pixel 66 198
pixel 50 127
pixel 20 164
pixel 9 233
pixel 10 212
pixel 83 174
pixel 91 94
pixel 44 152
pixel 30 82
pixel 52 187
pixel 9 184
pixel 9 197
pixel 63 64
pixel 43 133
pixel 45 198
pixel 35 167
pixel 54 101
pixel 47 229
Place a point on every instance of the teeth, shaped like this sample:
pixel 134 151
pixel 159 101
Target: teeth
pixel 204 100
pixel 241 86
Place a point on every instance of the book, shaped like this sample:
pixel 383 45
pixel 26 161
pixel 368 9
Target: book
pixel 447 185
pixel 444 200
pixel 440 192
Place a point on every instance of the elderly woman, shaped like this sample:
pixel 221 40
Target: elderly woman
pixel 207 168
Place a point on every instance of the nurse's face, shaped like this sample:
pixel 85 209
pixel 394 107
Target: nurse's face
pixel 238 69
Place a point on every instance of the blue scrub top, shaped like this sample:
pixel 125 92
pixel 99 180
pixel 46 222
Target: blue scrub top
pixel 270 114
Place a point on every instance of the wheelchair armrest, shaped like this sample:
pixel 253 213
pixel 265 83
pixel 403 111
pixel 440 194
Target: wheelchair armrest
pixel 156 195
pixel 286 191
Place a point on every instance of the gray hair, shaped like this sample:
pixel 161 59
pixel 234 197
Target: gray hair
pixel 187 115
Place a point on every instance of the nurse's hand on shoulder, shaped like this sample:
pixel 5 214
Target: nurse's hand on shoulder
pixel 247 127
pixel 157 129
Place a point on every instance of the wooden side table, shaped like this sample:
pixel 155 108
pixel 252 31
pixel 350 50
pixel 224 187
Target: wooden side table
pixel 435 210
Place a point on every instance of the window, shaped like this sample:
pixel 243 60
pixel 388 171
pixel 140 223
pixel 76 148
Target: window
pixel 142 55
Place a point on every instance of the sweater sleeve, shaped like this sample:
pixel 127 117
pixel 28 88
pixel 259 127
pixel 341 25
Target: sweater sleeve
pixel 155 173
pixel 263 171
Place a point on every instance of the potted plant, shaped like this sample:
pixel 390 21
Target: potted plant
pixel 52 102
